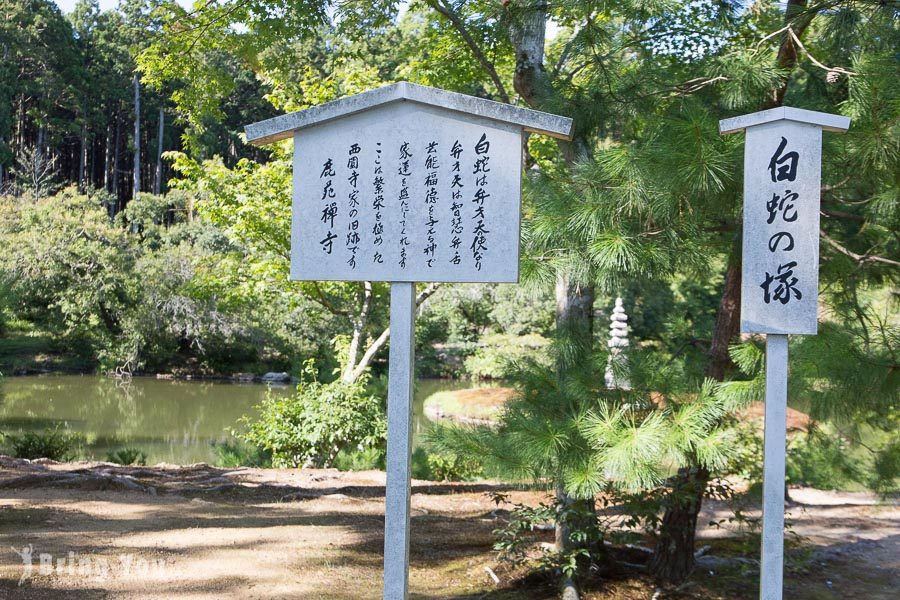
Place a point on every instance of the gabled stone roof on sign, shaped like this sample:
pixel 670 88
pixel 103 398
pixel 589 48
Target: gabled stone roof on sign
pixel 283 127
pixel 826 121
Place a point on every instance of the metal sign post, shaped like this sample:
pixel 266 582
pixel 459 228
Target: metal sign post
pixel 780 278
pixel 406 184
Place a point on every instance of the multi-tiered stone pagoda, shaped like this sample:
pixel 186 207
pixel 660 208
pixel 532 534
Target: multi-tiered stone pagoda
pixel 618 341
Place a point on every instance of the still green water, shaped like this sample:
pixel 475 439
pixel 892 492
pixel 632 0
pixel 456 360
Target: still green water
pixel 170 421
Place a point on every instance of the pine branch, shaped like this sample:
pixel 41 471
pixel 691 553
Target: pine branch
pixel 859 258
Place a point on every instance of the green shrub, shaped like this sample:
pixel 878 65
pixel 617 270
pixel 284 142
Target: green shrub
pixel 747 455
pixel 55 444
pixel 432 466
pixel 886 469
pixel 360 460
pixel 824 462
pixel 453 467
pixel 237 454
pixel 311 427
pixel 127 456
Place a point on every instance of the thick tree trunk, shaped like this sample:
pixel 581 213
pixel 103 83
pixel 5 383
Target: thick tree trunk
pixel 574 321
pixel 157 176
pixel 673 558
pixel 137 136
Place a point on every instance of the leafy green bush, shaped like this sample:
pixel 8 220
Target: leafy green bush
pixel 747 454
pixel 55 444
pixel 452 467
pixel 360 460
pixel 127 456
pixel 516 539
pixel 311 427
pixel 444 466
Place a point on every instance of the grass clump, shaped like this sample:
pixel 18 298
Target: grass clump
pixel 127 456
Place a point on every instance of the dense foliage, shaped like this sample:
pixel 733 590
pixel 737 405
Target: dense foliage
pixel 312 427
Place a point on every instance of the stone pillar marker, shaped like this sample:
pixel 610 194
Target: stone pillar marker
pixel 406 184
pixel 780 278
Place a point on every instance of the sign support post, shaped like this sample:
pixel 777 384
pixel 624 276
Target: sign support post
pixel 401 362
pixel 780 279
pixel 775 442
pixel 406 184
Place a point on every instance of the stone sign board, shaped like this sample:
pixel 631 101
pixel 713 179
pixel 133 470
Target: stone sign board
pixel 782 176
pixel 408 183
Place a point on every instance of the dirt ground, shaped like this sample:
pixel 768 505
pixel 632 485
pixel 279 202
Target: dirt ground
pixel 101 531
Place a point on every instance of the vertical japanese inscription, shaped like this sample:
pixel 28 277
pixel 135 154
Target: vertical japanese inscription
pixel 480 171
pixel 431 198
pixel 329 212
pixel 378 207
pixel 407 194
pixel 353 204
pixel 780 285
pixel 404 172
pixel 456 202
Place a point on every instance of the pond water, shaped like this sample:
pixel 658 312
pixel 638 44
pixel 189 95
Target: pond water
pixel 170 421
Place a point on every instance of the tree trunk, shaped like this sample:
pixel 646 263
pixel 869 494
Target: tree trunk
pixel 115 170
pixel 359 331
pixel 574 321
pixel 107 152
pixel 20 124
pixel 82 158
pixel 575 333
pixel 673 558
pixel 39 146
pixel 157 176
pixel 137 136
pixel 2 171
pixel 798 18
